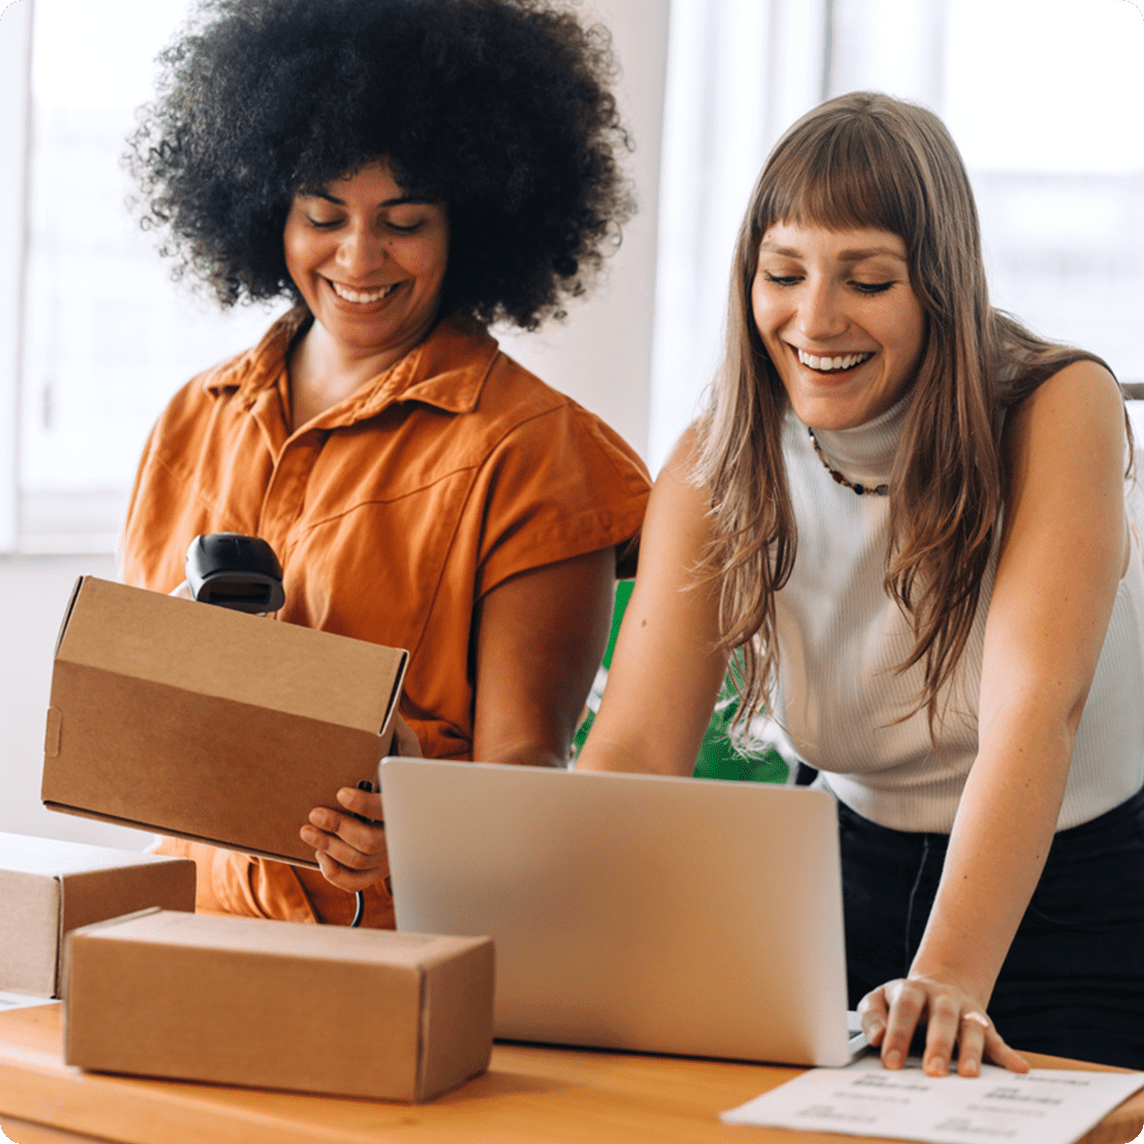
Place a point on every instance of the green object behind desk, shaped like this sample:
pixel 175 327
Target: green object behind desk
pixel 718 756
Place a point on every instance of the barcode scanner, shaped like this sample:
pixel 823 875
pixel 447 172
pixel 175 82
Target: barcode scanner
pixel 235 571
pixel 242 573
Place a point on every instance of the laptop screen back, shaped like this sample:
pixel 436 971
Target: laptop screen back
pixel 632 912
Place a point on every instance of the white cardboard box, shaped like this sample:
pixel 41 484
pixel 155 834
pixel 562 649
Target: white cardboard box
pixel 48 888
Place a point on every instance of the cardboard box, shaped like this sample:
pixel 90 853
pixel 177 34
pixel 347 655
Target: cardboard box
pixel 218 726
pixel 48 888
pixel 268 1004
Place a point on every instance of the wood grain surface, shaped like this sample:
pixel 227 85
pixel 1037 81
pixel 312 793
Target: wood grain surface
pixel 530 1095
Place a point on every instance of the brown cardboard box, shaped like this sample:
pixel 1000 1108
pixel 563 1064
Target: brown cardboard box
pixel 325 1009
pixel 215 725
pixel 48 888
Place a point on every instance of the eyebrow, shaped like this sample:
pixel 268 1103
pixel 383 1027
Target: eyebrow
pixel 399 201
pixel 859 255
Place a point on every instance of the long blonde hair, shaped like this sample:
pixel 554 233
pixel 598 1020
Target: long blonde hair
pixel 865 160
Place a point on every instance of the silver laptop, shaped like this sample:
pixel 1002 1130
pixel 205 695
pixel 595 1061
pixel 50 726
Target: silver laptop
pixel 633 912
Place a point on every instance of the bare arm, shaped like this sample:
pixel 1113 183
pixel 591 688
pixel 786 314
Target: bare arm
pixel 539 639
pixel 666 669
pixel 1064 549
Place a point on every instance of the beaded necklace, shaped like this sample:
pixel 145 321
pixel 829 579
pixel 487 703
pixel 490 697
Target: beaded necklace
pixel 860 490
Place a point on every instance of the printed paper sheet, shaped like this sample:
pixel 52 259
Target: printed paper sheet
pixel 1044 1106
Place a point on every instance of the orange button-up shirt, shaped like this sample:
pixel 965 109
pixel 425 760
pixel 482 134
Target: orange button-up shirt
pixel 393 513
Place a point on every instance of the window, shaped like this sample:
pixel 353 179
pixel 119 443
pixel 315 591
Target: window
pixel 1042 96
pixel 1055 150
pixel 107 337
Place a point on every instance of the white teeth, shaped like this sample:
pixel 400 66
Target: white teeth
pixel 354 296
pixel 844 361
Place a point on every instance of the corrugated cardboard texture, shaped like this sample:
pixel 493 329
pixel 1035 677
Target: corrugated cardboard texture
pixel 48 888
pixel 209 724
pixel 241 1001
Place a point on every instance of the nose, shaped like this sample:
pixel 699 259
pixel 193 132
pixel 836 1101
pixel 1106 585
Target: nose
pixel 361 251
pixel 820 313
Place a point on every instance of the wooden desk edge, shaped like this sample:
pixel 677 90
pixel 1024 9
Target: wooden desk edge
pixel 45 1101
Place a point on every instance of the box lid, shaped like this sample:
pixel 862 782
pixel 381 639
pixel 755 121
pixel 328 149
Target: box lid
pixel 52 858
pixel 227 934
pixel 268 664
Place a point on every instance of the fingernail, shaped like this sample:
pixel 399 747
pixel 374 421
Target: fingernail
pixel 936 1066
pixel 345 795
pixel 309 836
pixel 972 1068
pixel 323 819
pixel 893 1059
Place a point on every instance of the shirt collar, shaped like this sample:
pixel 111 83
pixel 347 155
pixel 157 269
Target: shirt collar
pixel 447 370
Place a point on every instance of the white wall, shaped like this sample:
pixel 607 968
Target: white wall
pixel 34 591
pixel 601 355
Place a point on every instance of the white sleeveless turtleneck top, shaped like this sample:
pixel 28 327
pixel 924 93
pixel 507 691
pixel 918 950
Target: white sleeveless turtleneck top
pixel 840 638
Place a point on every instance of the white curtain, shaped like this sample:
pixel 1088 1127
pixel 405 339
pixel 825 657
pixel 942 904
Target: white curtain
pixel 738 71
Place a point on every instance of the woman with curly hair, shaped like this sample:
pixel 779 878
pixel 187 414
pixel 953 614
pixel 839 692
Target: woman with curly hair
pixel 406 173
pixel 906 516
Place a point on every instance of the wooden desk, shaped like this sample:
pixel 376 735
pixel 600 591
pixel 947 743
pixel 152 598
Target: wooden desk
pixel 528 1096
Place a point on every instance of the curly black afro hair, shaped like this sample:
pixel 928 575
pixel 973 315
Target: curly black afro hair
pixel 498 108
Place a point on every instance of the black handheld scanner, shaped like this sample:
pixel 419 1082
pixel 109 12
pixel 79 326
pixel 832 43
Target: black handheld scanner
pixel 235 571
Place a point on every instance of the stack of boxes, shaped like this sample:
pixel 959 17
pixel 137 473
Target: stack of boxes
pixel 225 728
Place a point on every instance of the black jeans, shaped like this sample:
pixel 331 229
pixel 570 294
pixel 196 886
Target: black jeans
pixel 1073 982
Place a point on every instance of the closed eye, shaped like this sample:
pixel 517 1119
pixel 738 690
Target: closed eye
pixel 782 279
pixel 872 287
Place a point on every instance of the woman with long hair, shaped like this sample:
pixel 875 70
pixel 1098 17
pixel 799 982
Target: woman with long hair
pixel 901 520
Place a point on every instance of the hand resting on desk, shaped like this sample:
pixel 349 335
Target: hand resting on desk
pixel 951 1015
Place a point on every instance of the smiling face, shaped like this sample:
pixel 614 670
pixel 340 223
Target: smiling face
pixel 839 320
pixel 369 261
